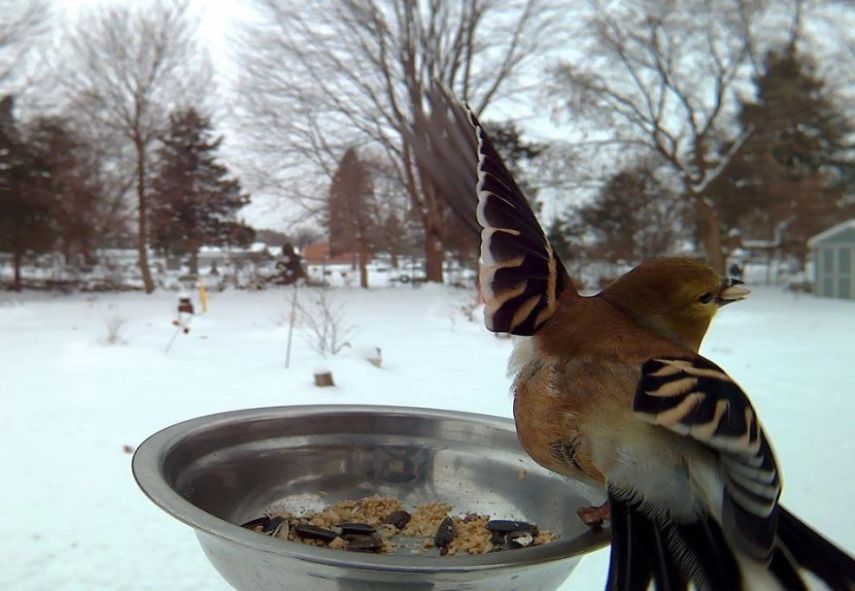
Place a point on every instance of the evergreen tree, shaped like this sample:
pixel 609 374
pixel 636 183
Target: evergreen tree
pixel 350 212
pixel 194 203
pixel 559 236
pixel 25 201
pixel 634 217
pixel 394 237
pixel 517 154
pixel 789 179
pixel 76 198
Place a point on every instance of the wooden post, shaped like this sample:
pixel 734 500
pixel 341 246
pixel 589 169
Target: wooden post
pixel 324 379
pixel 291 322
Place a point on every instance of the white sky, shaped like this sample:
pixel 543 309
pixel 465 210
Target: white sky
pixel 219 23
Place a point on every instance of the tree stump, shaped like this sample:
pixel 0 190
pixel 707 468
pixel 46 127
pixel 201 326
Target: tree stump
pixel 324 379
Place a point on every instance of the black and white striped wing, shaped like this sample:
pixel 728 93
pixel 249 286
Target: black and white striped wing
pixel 696 398
pixel 521 276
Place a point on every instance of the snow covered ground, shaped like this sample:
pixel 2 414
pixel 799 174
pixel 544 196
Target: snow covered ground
pixel 73 518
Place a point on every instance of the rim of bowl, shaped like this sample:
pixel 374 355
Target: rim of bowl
pixel 147 467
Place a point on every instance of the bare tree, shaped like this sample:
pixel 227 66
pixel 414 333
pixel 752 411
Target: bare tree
pixel 130 66
pixel 22 21
pixel 665 77
pixel 324 76
pixel 325 327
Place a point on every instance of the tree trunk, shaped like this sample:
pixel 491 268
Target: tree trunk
pixel 16 284
pixel 393 259
pixel 194 261
pixel 363 268
pixel 86 251
pixel 433 254
pixel 428 206
pixel 710 234
pixel 434 251
pixel 142 237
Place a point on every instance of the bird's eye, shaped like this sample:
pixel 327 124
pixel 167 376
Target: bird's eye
pixel 706 298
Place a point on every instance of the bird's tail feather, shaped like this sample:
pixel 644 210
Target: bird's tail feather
pixel 814 553
pixel 646 548
pixel 640 551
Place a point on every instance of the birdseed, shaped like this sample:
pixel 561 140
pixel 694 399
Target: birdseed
pixel 379 525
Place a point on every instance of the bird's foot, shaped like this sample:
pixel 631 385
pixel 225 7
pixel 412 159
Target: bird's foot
pixel 594 516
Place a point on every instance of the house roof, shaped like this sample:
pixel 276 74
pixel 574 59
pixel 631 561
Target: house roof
pixel 320 253
pixel 846 226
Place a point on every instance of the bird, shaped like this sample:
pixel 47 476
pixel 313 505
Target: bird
pixel 611 390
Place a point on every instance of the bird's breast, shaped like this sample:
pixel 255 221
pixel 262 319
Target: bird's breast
pixel 551 422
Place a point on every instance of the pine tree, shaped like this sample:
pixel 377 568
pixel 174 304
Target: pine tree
pixel 790 174
pixel 76 198
pixel 350 212
pixel 394 237
pixel 634 216
pixel 517 154
pixel 194 203
pixel 558 235
pixel 25 201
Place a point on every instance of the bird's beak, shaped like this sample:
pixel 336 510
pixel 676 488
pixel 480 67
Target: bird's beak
pixel 732 290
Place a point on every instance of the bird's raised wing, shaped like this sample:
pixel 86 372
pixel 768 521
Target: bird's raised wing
pixel 696 398
pixel 521 276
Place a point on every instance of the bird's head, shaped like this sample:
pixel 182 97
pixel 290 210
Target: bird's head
pixel 674 297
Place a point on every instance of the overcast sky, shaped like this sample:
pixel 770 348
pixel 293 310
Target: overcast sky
pixel 220 24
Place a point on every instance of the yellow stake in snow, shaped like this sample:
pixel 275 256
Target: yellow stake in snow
pixel 203 295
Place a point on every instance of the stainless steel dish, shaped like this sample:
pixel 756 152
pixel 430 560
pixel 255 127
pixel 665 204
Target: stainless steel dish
pixel 218 471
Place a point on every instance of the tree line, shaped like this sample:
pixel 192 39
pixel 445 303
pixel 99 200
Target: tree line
pixel 52 200
pixel 128 159
pixel 790 177
pixel 690 125
pixel 721 139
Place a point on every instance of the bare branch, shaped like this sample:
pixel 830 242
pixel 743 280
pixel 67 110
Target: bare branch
pixel 357 69
pixel 21 24
pixel 127 69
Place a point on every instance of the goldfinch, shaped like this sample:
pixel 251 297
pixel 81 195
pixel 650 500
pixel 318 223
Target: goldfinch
pixel 610 389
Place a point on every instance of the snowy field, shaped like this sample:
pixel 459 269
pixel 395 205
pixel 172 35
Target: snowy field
pixel 73 518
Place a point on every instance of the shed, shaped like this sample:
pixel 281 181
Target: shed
pixel 834 261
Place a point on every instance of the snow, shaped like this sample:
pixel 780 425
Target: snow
pixel 73 517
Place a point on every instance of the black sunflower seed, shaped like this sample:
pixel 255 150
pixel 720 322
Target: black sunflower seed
pixel 399 519
pixel 276 524
pixel 506 526
pixel 356 529
pixel 272 524
pixel 520 539
pixel 444 534
pixel 365 544
pixel 498 538
pixel 261 522
pixel 304 530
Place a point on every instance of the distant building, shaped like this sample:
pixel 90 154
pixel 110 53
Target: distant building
pixel 834 261
pixel 319 254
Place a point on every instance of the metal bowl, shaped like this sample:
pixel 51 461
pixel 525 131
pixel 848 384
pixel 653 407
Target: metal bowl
pixel 221 470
